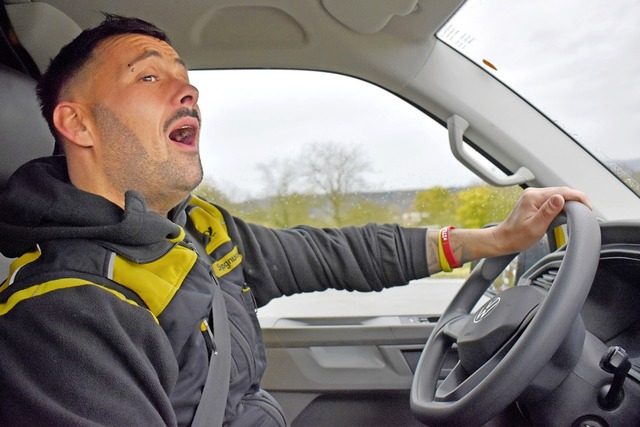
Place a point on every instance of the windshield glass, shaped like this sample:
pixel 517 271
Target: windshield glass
pixel 576 61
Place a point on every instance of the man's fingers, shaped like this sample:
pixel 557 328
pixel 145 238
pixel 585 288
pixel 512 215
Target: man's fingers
pixel 550 209
pixel 571 194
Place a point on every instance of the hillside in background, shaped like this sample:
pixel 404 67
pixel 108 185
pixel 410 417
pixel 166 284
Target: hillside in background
pixel 628 171
pixel 632 167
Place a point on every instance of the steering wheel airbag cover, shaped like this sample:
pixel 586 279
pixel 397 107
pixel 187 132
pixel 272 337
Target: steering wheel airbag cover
pixel 494 323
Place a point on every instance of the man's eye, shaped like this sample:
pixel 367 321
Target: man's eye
pixel 150 78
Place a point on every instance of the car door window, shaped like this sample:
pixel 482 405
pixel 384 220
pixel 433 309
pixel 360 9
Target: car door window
pixel 283 148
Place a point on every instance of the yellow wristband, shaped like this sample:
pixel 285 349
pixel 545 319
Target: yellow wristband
pixel 444 265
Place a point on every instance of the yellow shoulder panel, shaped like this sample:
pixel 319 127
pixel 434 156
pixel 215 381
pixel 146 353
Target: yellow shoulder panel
pixel 20 262
pixel 155 282
pixel 54 285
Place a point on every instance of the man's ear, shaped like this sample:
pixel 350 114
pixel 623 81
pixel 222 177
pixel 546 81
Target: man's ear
pixel 71 120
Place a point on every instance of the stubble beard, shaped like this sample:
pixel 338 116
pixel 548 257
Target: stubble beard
pixel 129 166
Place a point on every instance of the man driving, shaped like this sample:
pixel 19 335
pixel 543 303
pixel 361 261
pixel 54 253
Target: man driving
pixel 131 301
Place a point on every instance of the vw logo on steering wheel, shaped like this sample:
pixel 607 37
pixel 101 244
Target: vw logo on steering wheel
pixel 486 309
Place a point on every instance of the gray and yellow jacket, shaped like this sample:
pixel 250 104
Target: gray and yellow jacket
pixel 105 317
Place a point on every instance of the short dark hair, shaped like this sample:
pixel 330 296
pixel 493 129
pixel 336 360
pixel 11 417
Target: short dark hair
pixel 72 57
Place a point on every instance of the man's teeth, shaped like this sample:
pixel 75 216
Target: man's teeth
pixel 179 135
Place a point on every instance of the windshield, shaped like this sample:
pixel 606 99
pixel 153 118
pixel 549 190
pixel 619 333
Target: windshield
pixel 576 61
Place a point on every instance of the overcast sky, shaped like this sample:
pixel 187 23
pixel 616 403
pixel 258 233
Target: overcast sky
pixel 580 64
pixel 255 116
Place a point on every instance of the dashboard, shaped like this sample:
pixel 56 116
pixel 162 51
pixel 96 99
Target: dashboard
pixel 612 309
pixel 611 317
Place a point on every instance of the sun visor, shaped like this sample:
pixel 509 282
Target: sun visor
pixel 361 17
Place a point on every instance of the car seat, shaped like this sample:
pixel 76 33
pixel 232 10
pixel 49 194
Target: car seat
pixel 24 134
pixel 31 33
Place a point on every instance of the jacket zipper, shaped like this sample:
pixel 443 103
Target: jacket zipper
pixel 209 338
pixel 243 341
pixel 245 289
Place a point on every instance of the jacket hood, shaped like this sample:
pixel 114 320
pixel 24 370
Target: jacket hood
pixel 40 204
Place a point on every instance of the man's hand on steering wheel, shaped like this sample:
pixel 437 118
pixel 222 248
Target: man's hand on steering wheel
pixel 523 227
pixel 531 217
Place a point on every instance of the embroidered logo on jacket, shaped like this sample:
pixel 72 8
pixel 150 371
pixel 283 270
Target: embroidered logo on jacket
pixel 227 262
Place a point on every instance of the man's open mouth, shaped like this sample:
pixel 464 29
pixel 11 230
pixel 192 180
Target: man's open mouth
pixel 184 135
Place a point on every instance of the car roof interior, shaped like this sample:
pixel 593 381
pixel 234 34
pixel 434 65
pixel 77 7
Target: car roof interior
pixel 275 34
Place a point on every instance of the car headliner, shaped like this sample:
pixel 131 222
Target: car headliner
pixel 387 44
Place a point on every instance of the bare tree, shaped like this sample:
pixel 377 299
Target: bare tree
pixel 280 177
pixel 335 170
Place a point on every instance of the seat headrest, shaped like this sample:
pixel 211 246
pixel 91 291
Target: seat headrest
pixel 41 28
pixel 24 134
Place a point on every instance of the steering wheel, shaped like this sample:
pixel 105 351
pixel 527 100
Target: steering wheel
pixel 509 340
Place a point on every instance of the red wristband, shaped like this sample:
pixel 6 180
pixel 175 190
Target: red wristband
pixel 446 246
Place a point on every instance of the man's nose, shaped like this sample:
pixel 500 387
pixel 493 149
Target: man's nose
pixel 189 95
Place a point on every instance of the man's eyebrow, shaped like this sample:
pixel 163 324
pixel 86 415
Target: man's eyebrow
pixel 150 53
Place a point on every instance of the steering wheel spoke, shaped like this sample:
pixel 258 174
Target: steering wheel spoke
pixel 460 381
pixel 453 328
